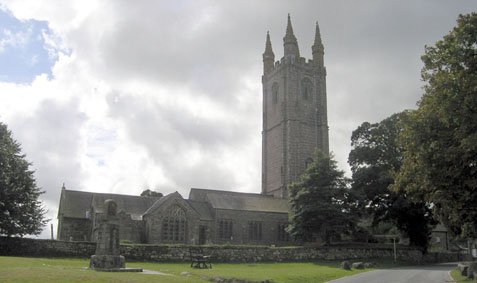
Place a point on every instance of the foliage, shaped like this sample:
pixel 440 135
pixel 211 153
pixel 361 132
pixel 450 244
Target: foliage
pixel 21 212
pixel 320 202
pixel 150 193
pixel 440 137
pixel 455 273
pixel 374 160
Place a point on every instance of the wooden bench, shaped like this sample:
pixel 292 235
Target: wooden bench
pixel 198 259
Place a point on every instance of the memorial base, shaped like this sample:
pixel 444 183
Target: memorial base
pixel 100 262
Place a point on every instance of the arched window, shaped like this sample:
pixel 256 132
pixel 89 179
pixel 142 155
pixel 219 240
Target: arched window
pixel 306 88
pixel 174 225
pixel 275 93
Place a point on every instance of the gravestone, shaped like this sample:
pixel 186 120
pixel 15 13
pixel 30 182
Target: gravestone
pixel 107 257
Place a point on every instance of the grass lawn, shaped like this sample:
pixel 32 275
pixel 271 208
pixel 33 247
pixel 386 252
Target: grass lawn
pixel 459 278
pixel 23 269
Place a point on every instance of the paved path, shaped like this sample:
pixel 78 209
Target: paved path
pixel 413 274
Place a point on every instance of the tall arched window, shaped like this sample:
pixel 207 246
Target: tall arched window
pixel 306 88
pixel 174 225
pixel 275 93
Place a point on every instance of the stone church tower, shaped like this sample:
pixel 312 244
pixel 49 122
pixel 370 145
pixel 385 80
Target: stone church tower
pixel 295 121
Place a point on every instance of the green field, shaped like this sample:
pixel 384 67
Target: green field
pixel 22 269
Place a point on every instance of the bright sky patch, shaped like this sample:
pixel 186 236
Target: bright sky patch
pixel 25 49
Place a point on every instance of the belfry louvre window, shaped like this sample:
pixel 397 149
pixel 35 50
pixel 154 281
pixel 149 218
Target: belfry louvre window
pixel 225 229
pixel 255 230
pixel 174 225
pixel 282 235
pixel 306 88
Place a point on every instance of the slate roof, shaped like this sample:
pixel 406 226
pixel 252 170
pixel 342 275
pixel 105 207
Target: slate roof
pixel 202 208
pixel 134 205
pixel 239 201
pixel 74 204
pixel 160 201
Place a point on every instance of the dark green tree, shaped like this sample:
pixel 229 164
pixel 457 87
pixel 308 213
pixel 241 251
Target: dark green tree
pixel 150 193
pixel 21 213
pixel 319 202
pixel 440 137
pixel 374 159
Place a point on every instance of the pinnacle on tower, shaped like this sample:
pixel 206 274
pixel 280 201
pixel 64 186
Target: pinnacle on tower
pixel 290 43
pixel 268 45
pixel 268 55
pixel 317 36
pixel 318 49
pixel 289 32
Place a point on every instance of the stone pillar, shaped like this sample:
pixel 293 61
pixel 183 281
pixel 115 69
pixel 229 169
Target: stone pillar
pixel 107 247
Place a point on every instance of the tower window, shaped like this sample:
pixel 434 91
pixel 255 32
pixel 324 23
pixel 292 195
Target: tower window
pixel 306 88
pixel 275 93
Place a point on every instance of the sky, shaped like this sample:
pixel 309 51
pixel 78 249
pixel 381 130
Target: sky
pixel 121 96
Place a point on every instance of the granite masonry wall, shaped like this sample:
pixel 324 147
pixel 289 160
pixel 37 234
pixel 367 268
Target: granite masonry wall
pixel 165 253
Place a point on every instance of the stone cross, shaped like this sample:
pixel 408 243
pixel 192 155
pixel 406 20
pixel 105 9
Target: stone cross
pixel 107 254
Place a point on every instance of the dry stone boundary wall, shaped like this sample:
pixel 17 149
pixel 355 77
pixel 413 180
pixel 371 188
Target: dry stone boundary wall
pixel 167 253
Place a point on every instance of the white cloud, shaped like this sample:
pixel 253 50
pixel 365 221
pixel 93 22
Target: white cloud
pixel 11 39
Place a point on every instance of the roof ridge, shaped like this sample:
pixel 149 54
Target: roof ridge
pixel 112 194
pixel 230 192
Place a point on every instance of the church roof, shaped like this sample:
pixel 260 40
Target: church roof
pixel 202 208
pixel 161 201
pixel 74 204
pixel 134 205
pixel 240 201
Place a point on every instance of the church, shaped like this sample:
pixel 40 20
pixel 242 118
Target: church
pixel 295 125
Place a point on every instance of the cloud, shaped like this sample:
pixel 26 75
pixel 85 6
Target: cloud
pixel 11 39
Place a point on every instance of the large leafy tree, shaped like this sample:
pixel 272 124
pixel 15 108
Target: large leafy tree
pixel 21 213
pixel 320 202
pixel 374 159
pixel 440 137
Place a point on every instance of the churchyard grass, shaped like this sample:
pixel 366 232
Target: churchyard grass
pixel 23 269
pixel 459 278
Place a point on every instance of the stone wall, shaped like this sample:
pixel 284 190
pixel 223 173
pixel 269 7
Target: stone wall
pixel 45 248
pixel 164 253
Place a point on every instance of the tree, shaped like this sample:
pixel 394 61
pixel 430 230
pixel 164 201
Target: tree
pixel 150 193
pixel 440 137
pixel 374 160
pixel 319 202
pixel 21 213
